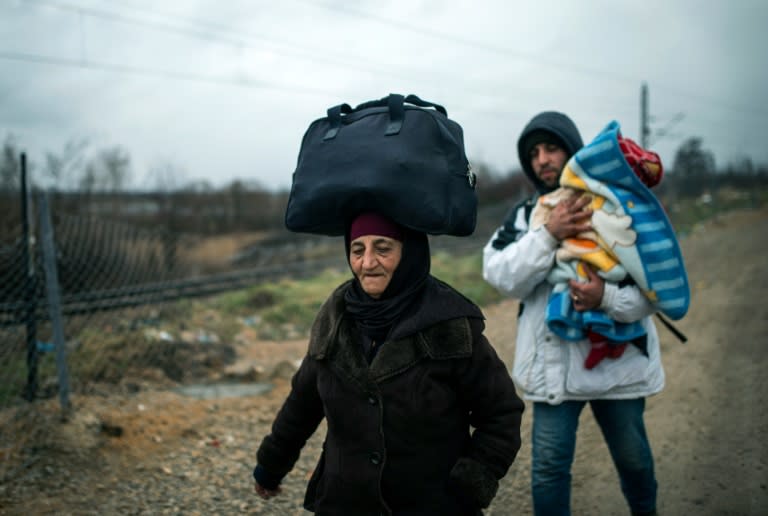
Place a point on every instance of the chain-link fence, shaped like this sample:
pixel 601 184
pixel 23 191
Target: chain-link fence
pixel 92 305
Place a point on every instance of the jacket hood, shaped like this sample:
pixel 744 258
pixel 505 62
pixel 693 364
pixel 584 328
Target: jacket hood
pixel 561 127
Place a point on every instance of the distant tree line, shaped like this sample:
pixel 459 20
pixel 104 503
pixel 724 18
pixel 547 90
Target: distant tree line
pixel 693 173
pixel 97 183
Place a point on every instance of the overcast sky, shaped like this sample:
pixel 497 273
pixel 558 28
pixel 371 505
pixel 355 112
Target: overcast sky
pixel 221 90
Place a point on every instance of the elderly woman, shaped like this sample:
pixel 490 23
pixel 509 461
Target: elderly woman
pixel 400 368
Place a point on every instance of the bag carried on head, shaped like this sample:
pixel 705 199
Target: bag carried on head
pixel 399 156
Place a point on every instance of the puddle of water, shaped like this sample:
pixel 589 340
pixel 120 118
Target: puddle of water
pixel 224 390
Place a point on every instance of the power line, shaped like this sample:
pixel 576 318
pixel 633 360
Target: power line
pixel 236 41
pixel 206 30
pixel 665 131
pixel 212 32
pixel 753 110
pixel 153 72
pixel 218 80
pixel 239 42
pixel 535 59
pixel 467 42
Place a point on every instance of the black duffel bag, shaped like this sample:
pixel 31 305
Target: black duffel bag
pixel 399 156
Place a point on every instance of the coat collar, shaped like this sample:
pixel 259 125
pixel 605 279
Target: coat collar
pixel 335 339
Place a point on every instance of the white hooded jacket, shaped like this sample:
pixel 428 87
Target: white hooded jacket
pixel 546 368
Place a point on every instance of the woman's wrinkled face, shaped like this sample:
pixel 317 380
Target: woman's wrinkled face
pixel 373 260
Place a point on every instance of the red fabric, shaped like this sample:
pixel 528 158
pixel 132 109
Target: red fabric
pixel 646 164
pixel 374 224
pixel 602 349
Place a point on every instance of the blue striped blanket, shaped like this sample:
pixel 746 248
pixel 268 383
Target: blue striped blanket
pixel 634 237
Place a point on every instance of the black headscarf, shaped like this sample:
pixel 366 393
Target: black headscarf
pixel 375 317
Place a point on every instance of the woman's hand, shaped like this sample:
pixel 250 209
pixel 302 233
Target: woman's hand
pixel 265 493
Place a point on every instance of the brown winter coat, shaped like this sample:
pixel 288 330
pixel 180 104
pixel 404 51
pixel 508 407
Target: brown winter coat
pixel 398 439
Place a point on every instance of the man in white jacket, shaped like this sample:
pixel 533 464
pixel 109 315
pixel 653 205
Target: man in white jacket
pixel 550 371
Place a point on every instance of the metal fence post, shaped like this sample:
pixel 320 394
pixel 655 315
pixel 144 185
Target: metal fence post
pixel 30 296
pixel 54 298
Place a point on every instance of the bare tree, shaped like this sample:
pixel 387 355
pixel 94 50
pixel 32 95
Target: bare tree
pixel 63 169
pixel 167 178
pixel 10 167
pixel 108 171
pixel 117 167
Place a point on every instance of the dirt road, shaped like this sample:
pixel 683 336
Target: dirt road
pixel 177 455
pixel 709 426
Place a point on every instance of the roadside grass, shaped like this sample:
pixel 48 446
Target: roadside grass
pixel 286 308
pixel 686 214
pixel 464 273
pixel 282 309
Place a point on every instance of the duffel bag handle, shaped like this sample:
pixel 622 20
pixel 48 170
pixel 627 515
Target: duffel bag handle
pixel 394 102
pixel 416 101
pixel 334 118
pixel 395 97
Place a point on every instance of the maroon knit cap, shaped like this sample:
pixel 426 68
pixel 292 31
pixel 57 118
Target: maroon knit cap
pixel 370 223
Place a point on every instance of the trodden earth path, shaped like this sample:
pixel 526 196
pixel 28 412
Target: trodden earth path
pixel 180 455
pixel 708 426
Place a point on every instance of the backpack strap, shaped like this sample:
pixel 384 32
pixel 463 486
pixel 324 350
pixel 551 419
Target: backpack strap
pixel 672 328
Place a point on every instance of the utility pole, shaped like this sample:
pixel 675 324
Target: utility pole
pixel 645 131
pixel 645 119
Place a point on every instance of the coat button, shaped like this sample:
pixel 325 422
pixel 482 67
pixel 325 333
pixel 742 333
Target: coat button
pixel 375 458
pixel 372 400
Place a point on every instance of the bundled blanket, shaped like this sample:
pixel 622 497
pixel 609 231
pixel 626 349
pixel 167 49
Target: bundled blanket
pixel 632 238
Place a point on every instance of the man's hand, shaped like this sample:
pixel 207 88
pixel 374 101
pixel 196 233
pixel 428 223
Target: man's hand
pixel 570 217
pixel 264 492
pixel 588 295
